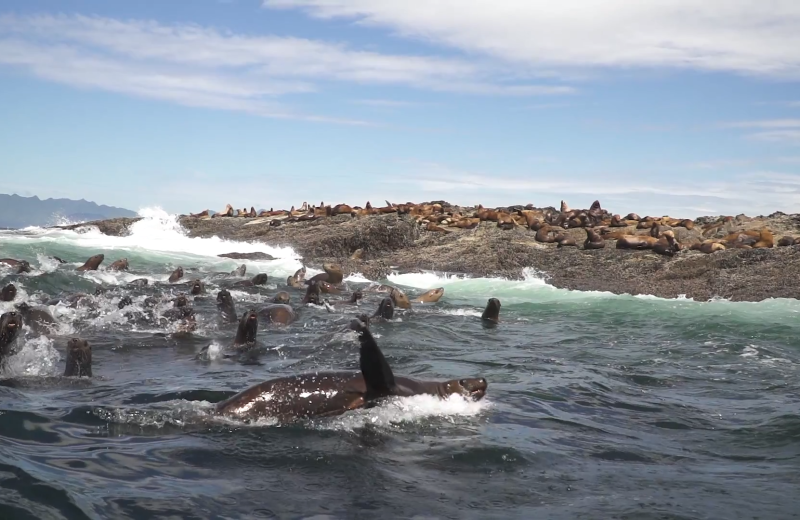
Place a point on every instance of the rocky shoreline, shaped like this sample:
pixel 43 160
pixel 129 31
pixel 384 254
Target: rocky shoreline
pixel 395 242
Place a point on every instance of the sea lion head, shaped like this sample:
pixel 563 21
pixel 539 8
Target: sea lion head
pixel 239 271
pixel 335 273
pixel 197 287
pixel 176 275
pixel 364 319
pixel 474 388
pixel 180 301
pixel 259 279
pixel 119 265
pixel 400 299
pixel 431 296
pixel 23 267
pixel 385 309
pixel 10 324
pixel 356 296
pixel 8 293
pixel 79 358
pixel 492 310
pixel 312 293
pixel 248 327
pixel 281 297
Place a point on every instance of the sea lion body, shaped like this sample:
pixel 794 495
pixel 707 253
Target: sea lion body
pixel 10 325
pixel 79 358
pixel 239 271
pixel 385 309
pixel 198 287
pixel 247 329
pixel 176 275
pixel 22 265
pixel 39 320
pixel 312 294
pixel 226 306
pixel 432 296
pixel 335 273
pixel 92 263
pixel 593 240
pixel 400 299
pixel 281 297
pixel 278 313
pixel 119 265
pixel 259 279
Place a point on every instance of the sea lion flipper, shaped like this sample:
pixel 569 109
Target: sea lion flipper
pixel 377 373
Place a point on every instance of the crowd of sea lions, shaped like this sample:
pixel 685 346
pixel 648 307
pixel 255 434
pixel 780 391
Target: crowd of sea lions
pixel 307 395
pixel 630 232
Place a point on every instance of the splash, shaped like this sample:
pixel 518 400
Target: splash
pixel 38 357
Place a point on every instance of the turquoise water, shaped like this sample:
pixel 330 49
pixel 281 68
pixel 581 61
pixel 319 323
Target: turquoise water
pixel 598 406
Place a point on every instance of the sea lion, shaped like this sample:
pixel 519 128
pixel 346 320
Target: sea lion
pixel 247 330
pixel 10 325
pixel 239 271
pixel 593 240
pixel 324 394
pixel 22 265
pixel 39 320
pixel 259 279
pixel 57 259
pixel 565 241
pixel 357 296
pixel 385 309
pixel 198 287
pixel 278 313
pixel 225 305
pixel 281 297
pixel 783 242
pixel 328 288
pixel 312 294
pixel 79 358
pixel 92 263
pixel 543 235
pixel 492 311
pixel 667 245
pixel 400 299
pixel 636 242
pixel 8 293
pixel 431 296
pixel 176 275
pixel 139 282
pixel 335 274
pixel 357 254
pixel 119 265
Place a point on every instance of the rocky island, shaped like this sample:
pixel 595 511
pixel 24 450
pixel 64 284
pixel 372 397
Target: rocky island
pixel 396 238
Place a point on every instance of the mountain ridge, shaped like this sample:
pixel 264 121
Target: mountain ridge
pixel 17 211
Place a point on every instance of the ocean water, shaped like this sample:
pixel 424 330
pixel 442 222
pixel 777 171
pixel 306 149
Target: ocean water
pixel 599 406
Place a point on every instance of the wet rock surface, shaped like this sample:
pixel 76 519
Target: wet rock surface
pixel 395 242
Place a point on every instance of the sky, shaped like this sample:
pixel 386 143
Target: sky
pixel 679 107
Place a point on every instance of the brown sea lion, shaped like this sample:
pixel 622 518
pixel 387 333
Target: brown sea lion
pixel 259 279
pixel 400 299
pixel 565 241
pixel 786 241
pixel 278 314
pixel 328 288
pixel 357 254
pixel 176 275
pixel 708 247
pixel 616 221
pixel 119 265
pixel 39 320
pixel 765 239
pixel 466 223
pixel 636 242
pixel 203 213
pixel 593 240
pixel 198 287
pixel 432 296
pixel 543 235
pixel 79 358
pixel 247 329
pixel 335 274
pixel 281 297
pixel 10 325
pixel 667 245
pixel 226 306
pixel 492 311
pixel 323 394
pixel 22 265
pixel 312 294
pixel 8 293
pixel 92 263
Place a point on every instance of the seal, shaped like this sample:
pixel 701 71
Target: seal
pixel 119 265
pixel 22 265
pixel 176 275
pixel 492 311
pixel 198 287
pixel 247 329
pixel 259 279
pixel 278 314
pixel 92 263
pixel 8 293
pixel 281 297
pixel 432 296
pixel 335 274
pixel 312 294
pixel 39 320
pixel 565 241
pixel 10 325
pixel 225 305
pixel 79 358
pixel 239 271
pixel 593 240
pixel 326 394
pixel 636 242
pixel 358 254
pixel 400 299
pixel 296 280
pixel 385 309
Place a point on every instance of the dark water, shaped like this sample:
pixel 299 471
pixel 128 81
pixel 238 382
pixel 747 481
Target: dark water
pixel 598 406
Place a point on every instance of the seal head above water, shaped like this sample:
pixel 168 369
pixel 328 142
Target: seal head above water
pixel 79 358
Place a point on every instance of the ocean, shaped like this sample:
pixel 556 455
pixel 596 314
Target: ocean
pixel 599 406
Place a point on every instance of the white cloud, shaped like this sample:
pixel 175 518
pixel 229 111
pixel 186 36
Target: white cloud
pixel 200 66
pixel 385 103
pixel 741 36
pixel 770 123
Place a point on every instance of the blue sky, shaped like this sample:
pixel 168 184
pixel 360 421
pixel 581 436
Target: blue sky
pixel 662 107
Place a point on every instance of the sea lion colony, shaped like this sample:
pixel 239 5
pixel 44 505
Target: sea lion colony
pixel 301 396
pixel 630 232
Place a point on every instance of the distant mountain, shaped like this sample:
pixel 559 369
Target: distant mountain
pixel 19 212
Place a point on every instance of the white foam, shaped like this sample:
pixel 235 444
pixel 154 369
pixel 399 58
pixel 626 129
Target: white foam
pixel 37 357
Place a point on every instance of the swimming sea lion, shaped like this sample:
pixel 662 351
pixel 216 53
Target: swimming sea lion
pixel 357 296
pixel 225 305
pixel 22 265
pixel 248 327
pixel 312 294
pixel 79 358
pixel 324 394
pixel 278 313
pixel 57 259
pixel 39 320
pixel 119 265
pixel 92 263
pixel 10 325
pixel 198 287
pixel 385 309
pixel 492 311
pixel 176 275
pixel 8 293
pixel 593 240
pixel 431 296
pixel 281 297
pixel 400 299
pixel 328 288
pixel 335 274
pixel 259 279
pixel 239 271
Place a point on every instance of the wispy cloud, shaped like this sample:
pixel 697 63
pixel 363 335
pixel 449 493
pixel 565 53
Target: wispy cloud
pixel 386 103
pixel 786 131
pixel 769 123
pixel 201 66
pixel 545 106
pixel 713 35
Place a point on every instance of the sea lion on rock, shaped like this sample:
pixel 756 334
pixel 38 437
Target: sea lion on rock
pixel 226 306
pixel 593 240
pixel 565 241
pixel 324 394
pixel 259 279
pixel 8 293
pixel 385 309
pixel 79 358
pixel 278 313
pixel 667 245
pixel 119 265
pixel 92 263
pixel 22 265
pixel 432 296
pixel 239 271
pixel 492 311
pixel 636 242
pixel 281 297
pixel 10 325
pixel 783 242
pixel 357 254
pixel 176 275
